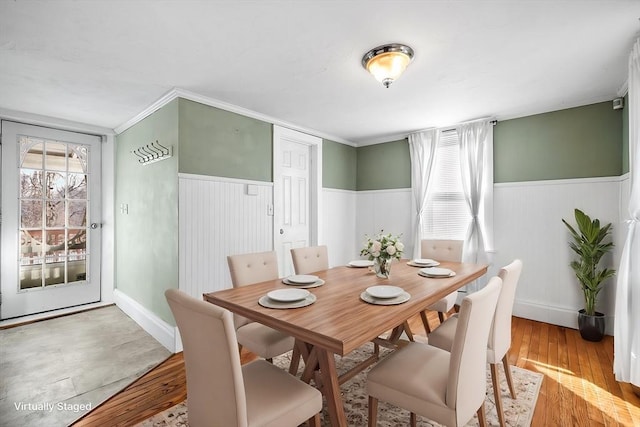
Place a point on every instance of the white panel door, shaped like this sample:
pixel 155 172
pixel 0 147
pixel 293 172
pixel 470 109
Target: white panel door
pixel 50 253
pixel 295 194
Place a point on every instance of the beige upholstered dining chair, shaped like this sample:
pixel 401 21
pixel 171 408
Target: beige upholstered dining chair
pixel 446 387
pixel 441 250
pixel 310 259
pixel 499 337
pixel 222 392
pixel 262 340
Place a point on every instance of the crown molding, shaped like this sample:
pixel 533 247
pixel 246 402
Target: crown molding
pixel 624 89
pixel 211 102
pixel 383 139
pixel 405 135
pixel 164 100
pixel 53 122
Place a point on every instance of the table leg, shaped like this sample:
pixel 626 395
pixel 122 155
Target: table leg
pixel 303 348
pixel 331 387
pixel 407 330
pixel 395 334
pixel 310 366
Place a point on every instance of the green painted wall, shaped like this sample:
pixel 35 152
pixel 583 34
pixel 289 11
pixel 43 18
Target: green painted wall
pixel 339 163
pixel 215 142
pixel 146 238
pixel 383 166
pixel 574 143
pixel 625 135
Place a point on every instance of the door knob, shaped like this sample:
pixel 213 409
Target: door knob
pixel 94 225
pixel 281 231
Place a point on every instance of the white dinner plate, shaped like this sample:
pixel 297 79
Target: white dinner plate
pixel 360 263
pixel 426 262
pixel 423 263
pixel 288 295
pixel 436 272
pixel 384 291
pixel 265 301
pixel 303 278
pixel 453 273
pixel 403 297
pixel 317 283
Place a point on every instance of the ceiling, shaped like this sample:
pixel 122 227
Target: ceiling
pixel 298 62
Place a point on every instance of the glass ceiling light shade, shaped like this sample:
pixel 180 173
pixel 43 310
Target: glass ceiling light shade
pixel 387 62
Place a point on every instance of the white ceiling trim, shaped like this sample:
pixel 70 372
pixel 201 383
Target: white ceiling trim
pixel 383 139
pixel 404 135
pixel 622 91
pixel 164 100
pixel 53 122
pixel 192 96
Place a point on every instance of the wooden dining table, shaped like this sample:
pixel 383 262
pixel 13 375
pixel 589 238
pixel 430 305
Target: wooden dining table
pixel 339 321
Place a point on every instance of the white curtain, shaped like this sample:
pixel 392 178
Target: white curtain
pixel 422 149
pixel 626 363
pixel 476 167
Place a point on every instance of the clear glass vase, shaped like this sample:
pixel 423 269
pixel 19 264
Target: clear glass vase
pixel 382 267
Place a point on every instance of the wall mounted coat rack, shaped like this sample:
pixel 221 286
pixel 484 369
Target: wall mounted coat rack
pixel 152 153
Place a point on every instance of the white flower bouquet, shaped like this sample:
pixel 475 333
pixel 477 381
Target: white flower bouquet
pixel 384 246
pixel 382 249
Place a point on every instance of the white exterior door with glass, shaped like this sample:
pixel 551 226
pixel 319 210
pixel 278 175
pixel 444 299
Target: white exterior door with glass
pixel 50 253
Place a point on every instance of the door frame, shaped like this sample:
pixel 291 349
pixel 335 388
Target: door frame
pixel 315 183
pixel 107 171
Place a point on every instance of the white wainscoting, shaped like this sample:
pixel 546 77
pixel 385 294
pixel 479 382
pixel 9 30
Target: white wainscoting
pixel 339 225
pixel 218 218
pixel 528 226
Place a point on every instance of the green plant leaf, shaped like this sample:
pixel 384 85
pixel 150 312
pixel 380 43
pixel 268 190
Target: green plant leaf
pixel 589 248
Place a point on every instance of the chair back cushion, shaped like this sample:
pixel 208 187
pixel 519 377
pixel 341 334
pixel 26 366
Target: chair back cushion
pixel 467 384
pixel 215 386
pixel 309 260
pixel 442 250
pixel 247 269
pixel 500 335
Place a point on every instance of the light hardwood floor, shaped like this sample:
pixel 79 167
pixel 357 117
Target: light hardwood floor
pixel 578 389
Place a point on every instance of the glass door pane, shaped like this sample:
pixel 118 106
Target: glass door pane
pixel 54 200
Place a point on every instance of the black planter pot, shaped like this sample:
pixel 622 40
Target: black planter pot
pixel 591 327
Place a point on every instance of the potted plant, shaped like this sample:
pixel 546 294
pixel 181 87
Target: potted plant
pixel 589 246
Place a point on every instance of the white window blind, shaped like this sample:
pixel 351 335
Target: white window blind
pixel 446 215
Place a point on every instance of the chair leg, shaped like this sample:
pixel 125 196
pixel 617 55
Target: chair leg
pixel 482 419
pixel 412 420
pixel 373 411
pixel 315 421
pixel 425 321
pixel 507 373
pixel 441 316
pixel 495 379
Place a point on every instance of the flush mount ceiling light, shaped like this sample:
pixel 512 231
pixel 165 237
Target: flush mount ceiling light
pixel 387 62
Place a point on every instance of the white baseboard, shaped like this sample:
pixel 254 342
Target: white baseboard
pixel 178 340
pixel 163 332
pixel 554 315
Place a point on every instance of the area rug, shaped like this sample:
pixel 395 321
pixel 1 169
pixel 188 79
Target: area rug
pixel 54 371
pixel 517 412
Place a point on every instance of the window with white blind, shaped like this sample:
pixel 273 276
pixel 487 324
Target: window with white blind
pixel 446 215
